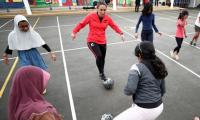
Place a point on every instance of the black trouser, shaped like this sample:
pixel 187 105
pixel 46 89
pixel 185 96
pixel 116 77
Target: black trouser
pixel 179 43
pixel 156 2
pixel 147 35
pixel 137 6
pixel 99 51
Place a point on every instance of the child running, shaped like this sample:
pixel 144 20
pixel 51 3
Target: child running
pixel 145 84
pixel 180 33
pixel 148 20
pixel 25 40
pixel 197 31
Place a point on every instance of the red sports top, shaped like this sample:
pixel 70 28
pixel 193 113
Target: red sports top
pixel 96 28
pixel 180 30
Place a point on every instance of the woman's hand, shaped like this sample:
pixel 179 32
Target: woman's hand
pixel 73 35
pixel 122 37
pixel 5 59
pixel 53 56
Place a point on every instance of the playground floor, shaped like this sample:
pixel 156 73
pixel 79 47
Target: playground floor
pixel 75 89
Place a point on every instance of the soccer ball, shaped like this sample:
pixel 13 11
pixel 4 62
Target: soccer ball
pixel 106 117
pixel 108 84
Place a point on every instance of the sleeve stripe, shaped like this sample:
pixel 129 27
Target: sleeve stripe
pixel 135 67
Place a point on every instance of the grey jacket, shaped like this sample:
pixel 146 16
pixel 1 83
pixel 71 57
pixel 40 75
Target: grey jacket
pixel 143 86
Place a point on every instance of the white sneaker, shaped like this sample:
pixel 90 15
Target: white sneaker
pixel 172 54
pixel 176 57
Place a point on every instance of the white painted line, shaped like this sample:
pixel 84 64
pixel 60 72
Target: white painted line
pixel 183 41
pixel 177 14
pixel 195 12
pixel 183 66
pixel 170 58
pixel 187 34
pixel 5 23
pixel 129 28
pixel 46 27
pixel 127 41
pixel 5 30
pixel 55 26
pixel 179 64
pixel 175 17
pixel 162 32
pixel 11 58
pixel 172 36
pixel 66 75
pixel 122 17
pixel 174 20
pixel 167 18
pixel 74 49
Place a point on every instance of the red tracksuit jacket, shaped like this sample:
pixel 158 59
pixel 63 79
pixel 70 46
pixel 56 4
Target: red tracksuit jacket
pixel 96 28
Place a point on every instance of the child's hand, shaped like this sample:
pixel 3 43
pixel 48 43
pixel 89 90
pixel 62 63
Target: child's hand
pixel 159 33
pixel 5 59
pixel 136 35
pixel 73 35
pixel 53 56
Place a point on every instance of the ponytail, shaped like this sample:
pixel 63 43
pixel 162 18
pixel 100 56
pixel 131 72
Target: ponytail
pixel 160 71
pixel 182 14
pixel 146 51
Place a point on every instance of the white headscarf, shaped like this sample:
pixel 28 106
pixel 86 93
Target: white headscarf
pixel 18 40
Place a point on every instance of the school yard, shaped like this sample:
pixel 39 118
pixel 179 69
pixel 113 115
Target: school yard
pixel 75 89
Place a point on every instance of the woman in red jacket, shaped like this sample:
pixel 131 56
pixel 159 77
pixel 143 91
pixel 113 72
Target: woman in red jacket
pixel 96 40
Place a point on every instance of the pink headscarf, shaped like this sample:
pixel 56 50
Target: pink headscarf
pixel 25 97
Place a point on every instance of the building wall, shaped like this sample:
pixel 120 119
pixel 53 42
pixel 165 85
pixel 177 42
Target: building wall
pixel 43 3
pixel 192 3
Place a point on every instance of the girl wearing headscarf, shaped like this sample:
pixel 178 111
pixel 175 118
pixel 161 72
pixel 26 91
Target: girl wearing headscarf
pixel 25 99
pixel 25 40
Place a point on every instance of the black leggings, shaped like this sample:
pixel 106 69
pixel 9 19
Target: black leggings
pixel 99 51
pixel 156 2
pixel 179 43
pixel 137 6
